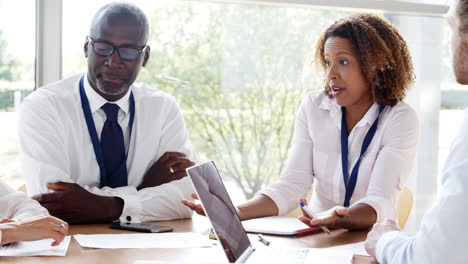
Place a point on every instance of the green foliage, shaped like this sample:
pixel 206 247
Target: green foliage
pixel 7 102
pixel 9 67
pixel 248 133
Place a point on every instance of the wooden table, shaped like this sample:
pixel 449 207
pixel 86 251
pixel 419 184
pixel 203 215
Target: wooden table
pixel 77 254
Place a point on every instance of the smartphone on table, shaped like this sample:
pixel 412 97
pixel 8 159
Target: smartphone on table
pixel 139 227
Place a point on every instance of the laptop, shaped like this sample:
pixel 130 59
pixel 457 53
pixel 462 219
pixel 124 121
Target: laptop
pixel 227 225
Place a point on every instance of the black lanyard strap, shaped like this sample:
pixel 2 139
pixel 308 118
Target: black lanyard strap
pixel 94 136
pixel 350 182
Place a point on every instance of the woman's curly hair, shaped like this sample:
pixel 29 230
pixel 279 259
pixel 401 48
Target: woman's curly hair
pixel 382 51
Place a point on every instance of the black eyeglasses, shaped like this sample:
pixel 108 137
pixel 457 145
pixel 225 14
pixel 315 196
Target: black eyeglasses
pixel 125 52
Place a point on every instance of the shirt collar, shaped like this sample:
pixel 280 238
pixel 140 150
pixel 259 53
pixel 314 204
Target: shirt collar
pixel 334 109
pixel 329 104
pixel 335 112
pixel 96 101
pixel 370 115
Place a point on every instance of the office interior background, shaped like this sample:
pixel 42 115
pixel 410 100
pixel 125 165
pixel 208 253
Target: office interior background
pixel 239 70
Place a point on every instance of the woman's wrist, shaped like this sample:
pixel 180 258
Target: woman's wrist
pixel 239 212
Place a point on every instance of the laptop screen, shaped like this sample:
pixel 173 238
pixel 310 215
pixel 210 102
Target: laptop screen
pixel 219 209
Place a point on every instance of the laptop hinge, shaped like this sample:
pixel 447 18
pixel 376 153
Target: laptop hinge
pixel 245 256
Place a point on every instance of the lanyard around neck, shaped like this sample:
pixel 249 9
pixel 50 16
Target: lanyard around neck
pixel 93 133
pixel 350 182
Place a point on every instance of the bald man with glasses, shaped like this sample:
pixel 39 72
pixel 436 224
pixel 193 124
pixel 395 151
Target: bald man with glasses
pixel 95 147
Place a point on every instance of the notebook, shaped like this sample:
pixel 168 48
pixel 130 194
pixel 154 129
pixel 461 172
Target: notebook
pixel 227 225
pixel 279 226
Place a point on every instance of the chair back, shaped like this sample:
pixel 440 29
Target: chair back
pixel 22 188
pixel 404 206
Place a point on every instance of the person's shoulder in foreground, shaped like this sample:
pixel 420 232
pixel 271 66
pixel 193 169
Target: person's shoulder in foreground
pixel 443 235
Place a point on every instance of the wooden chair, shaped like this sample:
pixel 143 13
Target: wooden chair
pixel 22 188
pixel 404 206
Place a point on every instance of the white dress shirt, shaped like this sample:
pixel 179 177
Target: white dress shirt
pixel 55 145
pixel 17 206
pixel 315 157
pixel 443 236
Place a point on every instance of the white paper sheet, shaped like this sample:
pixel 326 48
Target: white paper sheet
pixel 156 240
pixel 35 248
pixel 332 255
pixel 348 249
pixel 338 254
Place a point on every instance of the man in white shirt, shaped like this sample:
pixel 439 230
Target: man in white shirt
pixel 443 236
pixel 97 148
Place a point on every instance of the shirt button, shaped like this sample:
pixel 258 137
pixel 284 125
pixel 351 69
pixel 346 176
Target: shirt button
pixel 129 218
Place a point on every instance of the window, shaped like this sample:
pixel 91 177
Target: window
pixel 17 56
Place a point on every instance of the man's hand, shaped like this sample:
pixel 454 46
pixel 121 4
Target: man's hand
pixel 330 218
pixel 377 231
pixel 34 229
pixel 170 167
pixel 74 204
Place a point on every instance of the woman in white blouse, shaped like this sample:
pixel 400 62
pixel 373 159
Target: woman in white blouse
pixel 359 116
pixel 23 219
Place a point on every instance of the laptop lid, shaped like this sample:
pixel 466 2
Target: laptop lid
pixel 219 209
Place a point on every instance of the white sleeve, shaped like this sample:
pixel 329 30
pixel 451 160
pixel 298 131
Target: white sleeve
pixel 394 163
pixel 17 206
pixel 297 177
pixel 443 235
pixel 44 160
pixel 158 203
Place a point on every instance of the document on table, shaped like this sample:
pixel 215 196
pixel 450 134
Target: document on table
pixel 155 240
pixel 336 254
pixel 35 248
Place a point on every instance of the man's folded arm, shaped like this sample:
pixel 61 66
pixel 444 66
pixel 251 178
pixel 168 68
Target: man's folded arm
pixel 45 160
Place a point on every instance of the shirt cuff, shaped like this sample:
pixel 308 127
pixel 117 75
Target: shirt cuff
pixel 278 199
pixel 383 207
pixel 132 209
pixel 381 249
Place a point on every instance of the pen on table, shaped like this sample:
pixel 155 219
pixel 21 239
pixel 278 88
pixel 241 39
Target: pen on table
pixel 263 240
pixel 307 210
